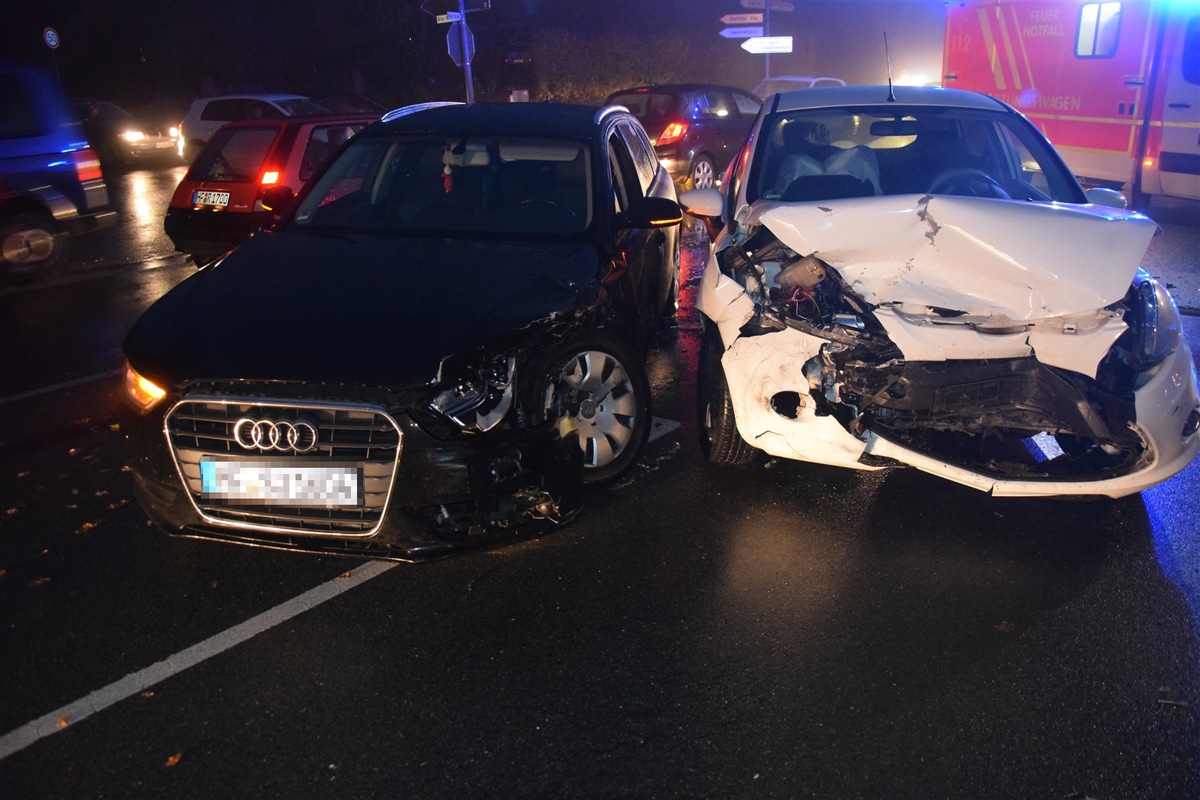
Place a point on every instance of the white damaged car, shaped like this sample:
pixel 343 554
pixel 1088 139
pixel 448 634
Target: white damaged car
pixel 912 277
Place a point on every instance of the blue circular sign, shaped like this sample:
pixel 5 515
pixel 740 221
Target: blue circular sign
pixel 50 37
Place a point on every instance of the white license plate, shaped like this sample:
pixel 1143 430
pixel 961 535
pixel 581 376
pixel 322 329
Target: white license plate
pixel 201 197
pixel 280 483
pixel 164 145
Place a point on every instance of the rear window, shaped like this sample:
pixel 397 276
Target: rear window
pixel 649 106
pixel 301 106
pixel 234 154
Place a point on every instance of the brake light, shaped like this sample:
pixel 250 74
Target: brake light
pixel 87 166
pixel 270 178
pixel 672 132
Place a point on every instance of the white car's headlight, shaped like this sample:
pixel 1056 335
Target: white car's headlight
pixel 1156 322
pixel 133 136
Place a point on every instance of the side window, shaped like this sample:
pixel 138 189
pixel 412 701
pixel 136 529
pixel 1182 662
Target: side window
pixel 747 105
pixel 719 106
pixel 1099 26
pixel 1191 51
pixel 700 109
pixel 624 175
pixel 256 109
pixel 645 162
pixel 17 117
pixel 223 111
pixel 323 142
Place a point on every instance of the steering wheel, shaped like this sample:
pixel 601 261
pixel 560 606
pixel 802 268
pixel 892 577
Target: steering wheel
pixel 546 201
pixel 968 183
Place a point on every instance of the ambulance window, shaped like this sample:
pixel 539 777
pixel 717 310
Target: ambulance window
pixel 1191 51
pixel 1099 24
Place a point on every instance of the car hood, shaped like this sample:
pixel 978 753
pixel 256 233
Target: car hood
pixel 377 311
pixel 1024 261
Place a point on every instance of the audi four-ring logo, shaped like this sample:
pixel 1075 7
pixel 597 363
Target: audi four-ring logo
pixel 267 434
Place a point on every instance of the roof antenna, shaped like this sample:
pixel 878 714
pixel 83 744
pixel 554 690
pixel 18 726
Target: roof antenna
pixel 888 55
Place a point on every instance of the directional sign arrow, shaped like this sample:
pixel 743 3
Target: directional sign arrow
pixel 743 32
pixel 768 44
pixel 741 19
pixel 776 5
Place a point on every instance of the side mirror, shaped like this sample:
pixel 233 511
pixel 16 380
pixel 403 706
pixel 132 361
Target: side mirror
pixel 277 198
pixel 707 205
pixel 1107 197
pixel 651 212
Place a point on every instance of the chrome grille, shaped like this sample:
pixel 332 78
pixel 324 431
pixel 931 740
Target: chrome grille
pixel 347 434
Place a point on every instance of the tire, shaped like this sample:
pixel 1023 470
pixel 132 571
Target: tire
pixel 594 386
pixel 719 438
pixel 703 174
pixel 30 244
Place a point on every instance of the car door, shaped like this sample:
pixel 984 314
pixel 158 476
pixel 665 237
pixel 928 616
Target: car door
pixel 650 255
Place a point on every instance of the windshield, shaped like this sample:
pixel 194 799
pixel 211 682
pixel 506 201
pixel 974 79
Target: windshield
pixel 299 106
pixel 827 153
pixel 435 183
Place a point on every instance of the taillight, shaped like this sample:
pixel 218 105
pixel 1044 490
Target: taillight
pixel 672 132
pixel 270 177
pixel 87 166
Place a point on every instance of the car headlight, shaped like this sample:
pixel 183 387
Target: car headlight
pixel 141 391
pixel 1155 321
pixel 133 136
pixel 481 400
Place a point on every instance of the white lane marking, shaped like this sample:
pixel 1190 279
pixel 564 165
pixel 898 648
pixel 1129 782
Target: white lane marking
pixel 60 386
pixel 136 682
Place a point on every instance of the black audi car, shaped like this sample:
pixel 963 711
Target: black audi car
pixel 442 342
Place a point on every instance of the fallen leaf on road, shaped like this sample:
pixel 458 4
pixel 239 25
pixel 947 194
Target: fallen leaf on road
pixel 1006 627
pixel 85 527
pixel 63 722
pixel 39 581
pixel 147 693
pixel 173 760
pixel 126 468
pixel 345 574
pixel 115 427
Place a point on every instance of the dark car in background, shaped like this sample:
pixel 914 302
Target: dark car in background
pixel 220 200
pixel 440 344
pixel 696 127
pixel 51 183
pixel 122 139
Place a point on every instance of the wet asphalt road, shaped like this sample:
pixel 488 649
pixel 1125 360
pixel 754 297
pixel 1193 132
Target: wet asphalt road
pixel 782 631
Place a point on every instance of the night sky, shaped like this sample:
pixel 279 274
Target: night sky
pixel 155 53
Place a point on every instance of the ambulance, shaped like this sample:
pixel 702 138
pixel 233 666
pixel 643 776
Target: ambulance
pixel 1114 85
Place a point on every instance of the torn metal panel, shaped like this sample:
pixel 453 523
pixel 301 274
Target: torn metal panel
pixel 757 368
pixel 1021 260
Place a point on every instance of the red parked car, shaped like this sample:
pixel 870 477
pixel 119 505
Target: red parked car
pixel 219 202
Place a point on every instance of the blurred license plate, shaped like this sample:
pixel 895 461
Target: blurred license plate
pixel 278 483
pixel 164 145
pixel 203 198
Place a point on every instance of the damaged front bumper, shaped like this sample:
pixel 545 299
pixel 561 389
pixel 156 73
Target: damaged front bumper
pixel 418 495
pixel 1000 396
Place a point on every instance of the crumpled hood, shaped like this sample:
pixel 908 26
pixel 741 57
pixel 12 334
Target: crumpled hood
pixel 1023 260
pixel 376 311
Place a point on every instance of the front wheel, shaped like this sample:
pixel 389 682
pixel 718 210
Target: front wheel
pixel 719 438
pixel 594 387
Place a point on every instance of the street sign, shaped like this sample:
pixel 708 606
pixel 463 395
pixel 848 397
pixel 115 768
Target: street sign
pixel 441 7
pixel 744 32
pixel 50 37
pixel 460 43
pixel 449 16
pixel 741 19
pixel 768 44
pixel 776 5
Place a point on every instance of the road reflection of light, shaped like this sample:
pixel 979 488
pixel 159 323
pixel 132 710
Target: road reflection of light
pixel 780 572
pixel 144 207
pixel 1173 508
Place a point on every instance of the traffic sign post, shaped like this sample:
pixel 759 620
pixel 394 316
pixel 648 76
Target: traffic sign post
pixel 762 41
pixel 762 45
pixel 460 42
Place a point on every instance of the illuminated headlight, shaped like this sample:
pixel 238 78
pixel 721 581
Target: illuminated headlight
pixel 141 391
pixel 1156 323
pixel 174 132
pixel 479 401
pixel 133 136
